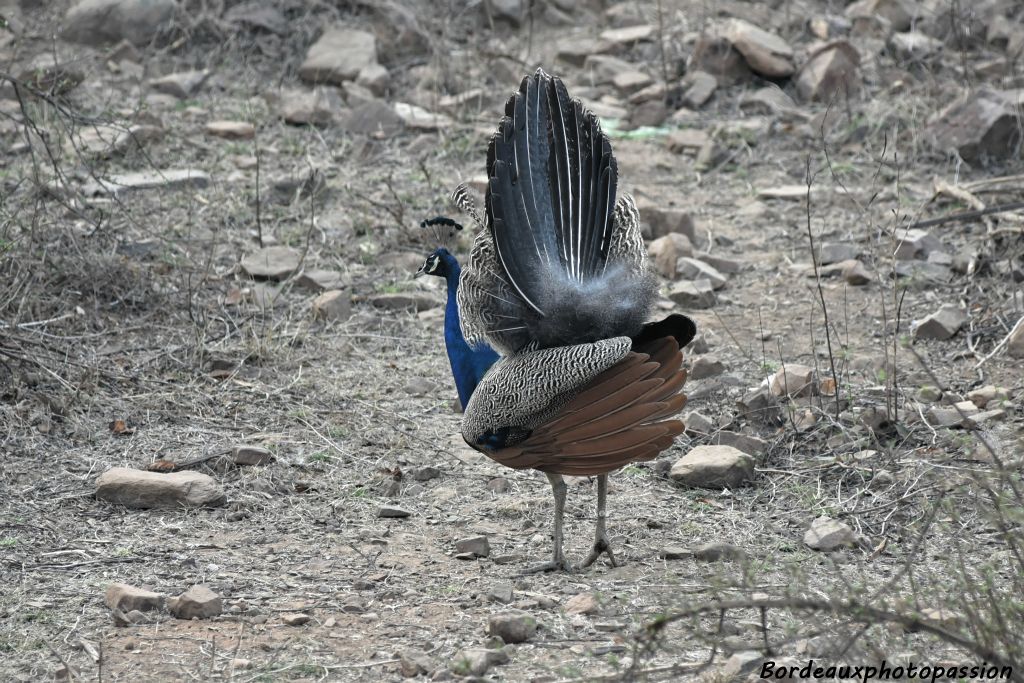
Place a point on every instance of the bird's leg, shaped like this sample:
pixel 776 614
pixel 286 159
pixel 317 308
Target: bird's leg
pixel 601 544
pixel 557 562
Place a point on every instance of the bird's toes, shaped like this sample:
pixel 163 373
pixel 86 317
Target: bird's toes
pixel 601 547
pixel 550 566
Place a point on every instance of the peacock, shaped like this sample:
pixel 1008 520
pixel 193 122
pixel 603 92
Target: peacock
pixel 557 283
pixel 469 363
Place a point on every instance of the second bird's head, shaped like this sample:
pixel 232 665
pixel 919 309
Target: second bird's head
pixel 438 263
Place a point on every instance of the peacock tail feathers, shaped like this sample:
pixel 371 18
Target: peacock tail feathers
pixel 559 261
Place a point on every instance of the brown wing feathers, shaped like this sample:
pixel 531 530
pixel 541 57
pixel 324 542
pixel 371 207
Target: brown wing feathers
pixel 618 419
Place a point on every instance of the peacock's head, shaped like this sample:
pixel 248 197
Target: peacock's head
pixel 435 264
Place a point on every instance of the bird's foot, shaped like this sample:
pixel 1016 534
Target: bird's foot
pixel 555 565
pixel 601 545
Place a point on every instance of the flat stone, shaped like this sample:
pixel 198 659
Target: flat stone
pixel 629 82
pixel 170 179
pixel 319 280
pixel 231 130
pixel 923 274
pixel 295 619
pixel 687 140
pixel 984 124
pixel 673 552
pixel 946 417
pixel 769 100
pixel 697 423
pixel 334 304
pixel 418 118
pixel 477 546
pixel 142 489
pixel 305 108
pixel 501 592
pixel 413 663
pixel 699 87
pixel 50 73
pixel 914 45
pixel 703 367
pixel 793 380
pixel 602 69
pixel 827 534
pixel 723 264
pixel 110 141
pixel 715 55
pixel 375 77
pixel 897 13
pixel 665 220
pixel 929 394
pixel 856 273
pixel 741 665
pixel 98 22
pixel 693 294
pixel 830 72
pixel 789 192
pixel 477 661
pixel 251 456
pixel 181 84
pixel 338 56
pixel 751 445
pixel 766 53
pixel 392 512
pixel 942 324
pixel 418 301
pixel 583 603
pixel 916 244
pixel 426 473
pixel 690 268
pixel 375 118
pixel 666 250
pixel 718 551
pixel 713 467
pixel 760 405
pixel 978 420
pixel 127 598
pixel 619 39
pixel 274 263
pixel 834 252
pixel 982 396
pixel 512 627
pixel 574 50
pixel 197 602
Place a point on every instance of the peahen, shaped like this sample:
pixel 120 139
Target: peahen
pixel 469 363
pixel 557 283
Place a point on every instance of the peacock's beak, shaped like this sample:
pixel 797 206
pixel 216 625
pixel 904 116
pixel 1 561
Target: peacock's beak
pixel 421 272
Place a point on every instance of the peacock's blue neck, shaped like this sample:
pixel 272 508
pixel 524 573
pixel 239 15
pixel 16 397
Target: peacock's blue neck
pixel 468 364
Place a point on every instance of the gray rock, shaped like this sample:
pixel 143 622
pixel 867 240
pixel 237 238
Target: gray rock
pixel 695 294
pixel 603 69
pixel 666 220
pixel 295 619
pixel 334 304
pixel 922 274
pixel 418 301
pixel 687 140
pixel 897 13
pixel 392 512
pixel 139 489
pixel 477 546
pixel 696 423
pixel 375 118
pixel 198 602
pixel 477 661
pixel 942 324
pixel 629 82
pixel 984 124
pixel 793 380
pixel 740 665
pixel 512 627
pixel 426 473
pixel 574 50
pixel 231 130
pixel 319 280
pixel 982 396
pixel 501 592
pixel 834 252
pixel 338 56
pixel 97 22
pixel 418 118
pixel 929 394
pixel 691 268
pixel 171 179
pixel 666 250
pixel 914 45
pixel 713 467
pixel 766 53
pixel 673 552
pixel 856 273
pixel 978 420
pixel 302 108
pixel 828 534
pixel 52 73
pixel 830 72
pixel 945 417
pixel 715 55
pixel 499 485
pixel 274 263
pixel 700 86
pixel 123 597
pixel 703 367
pixel 582 603
pixel 718 551
pixel 251 455
pixel 751 445
pixel 182 84
pixel 770 100
pixel 916 244
pixel 621 39
pixel 374 77
pixel 760 405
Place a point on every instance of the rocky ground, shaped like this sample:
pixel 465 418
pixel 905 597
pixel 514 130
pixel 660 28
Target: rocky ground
pixel 229 447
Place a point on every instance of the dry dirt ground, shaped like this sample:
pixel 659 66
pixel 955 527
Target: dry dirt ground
pixel 129 310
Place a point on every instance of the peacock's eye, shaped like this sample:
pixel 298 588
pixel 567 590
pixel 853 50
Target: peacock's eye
pixel 432 263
